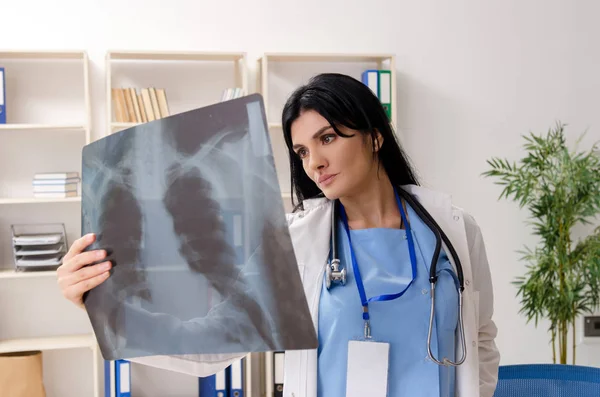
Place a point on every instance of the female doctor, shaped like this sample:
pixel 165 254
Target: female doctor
pixel 376 318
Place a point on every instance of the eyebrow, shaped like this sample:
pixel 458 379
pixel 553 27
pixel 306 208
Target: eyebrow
pixel 315 135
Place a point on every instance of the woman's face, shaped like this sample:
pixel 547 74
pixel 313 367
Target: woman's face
pixel 340 166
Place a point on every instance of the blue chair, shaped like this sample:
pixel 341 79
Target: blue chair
pixel 548 380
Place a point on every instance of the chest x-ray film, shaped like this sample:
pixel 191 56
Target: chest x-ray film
pixel 190 212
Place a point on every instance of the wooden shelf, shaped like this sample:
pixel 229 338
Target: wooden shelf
pixel 13 274
pixel 43 127
pixel 326 57
pixel 35 200
pixel 75 55
pixel 48 343
pixel 175 56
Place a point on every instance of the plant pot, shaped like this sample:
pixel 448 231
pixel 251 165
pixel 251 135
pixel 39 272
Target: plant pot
pixel 21 375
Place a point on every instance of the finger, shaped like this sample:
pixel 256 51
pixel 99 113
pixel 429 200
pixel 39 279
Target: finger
pixel 81 260
pixel 75 292
pixel 79 245
pixel 83 274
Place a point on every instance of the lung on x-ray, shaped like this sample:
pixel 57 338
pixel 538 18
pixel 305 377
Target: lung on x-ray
pixel 190 212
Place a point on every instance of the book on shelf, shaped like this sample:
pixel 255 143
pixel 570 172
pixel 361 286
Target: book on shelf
pixel 55 188
pixel 142 107
pixel 147 103
pixel 56 175
pixel 232 93
pixel 55 194
pixel 136 106
pixel 154 102
pixel 131 106
pixel 57 181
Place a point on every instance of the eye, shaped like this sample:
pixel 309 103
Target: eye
pixel 301 153
pixel 328 138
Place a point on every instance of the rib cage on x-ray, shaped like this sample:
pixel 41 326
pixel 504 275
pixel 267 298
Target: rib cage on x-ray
pixel 189 210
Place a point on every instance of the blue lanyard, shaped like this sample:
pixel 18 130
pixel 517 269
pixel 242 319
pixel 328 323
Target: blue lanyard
pixel 359 283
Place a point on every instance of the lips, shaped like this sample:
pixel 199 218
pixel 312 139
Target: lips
pixel 326 179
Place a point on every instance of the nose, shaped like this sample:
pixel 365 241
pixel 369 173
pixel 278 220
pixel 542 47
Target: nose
pixel 316 161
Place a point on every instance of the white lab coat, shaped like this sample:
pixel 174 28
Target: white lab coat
pixel 310 232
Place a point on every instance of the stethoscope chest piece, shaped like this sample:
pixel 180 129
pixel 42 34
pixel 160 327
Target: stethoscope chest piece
pixel 334 274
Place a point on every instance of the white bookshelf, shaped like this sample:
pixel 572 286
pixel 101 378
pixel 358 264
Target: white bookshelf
pixel 48 103
pixel 190 79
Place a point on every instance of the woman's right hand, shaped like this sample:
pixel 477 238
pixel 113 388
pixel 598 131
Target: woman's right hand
pixel 74 277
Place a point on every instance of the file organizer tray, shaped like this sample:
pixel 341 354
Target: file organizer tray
pixel 38 246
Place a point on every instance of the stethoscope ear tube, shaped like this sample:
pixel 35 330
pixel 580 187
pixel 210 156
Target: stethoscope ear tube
pixel 439 236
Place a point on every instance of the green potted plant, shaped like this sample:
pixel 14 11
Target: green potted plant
pixel 561 190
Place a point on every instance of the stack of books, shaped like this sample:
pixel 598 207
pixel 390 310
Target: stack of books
pixel 132 107
pixel 56 184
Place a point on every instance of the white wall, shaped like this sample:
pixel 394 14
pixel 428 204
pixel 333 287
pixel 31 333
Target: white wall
pixel 473 76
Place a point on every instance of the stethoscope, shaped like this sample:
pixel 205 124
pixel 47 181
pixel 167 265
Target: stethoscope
pixel 337 275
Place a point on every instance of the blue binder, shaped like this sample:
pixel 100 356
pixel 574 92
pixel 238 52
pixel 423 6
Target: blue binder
pixel 123 378
pixel 109 378
pixel 214 385
pixel 207 386
pixel 370 78
pixel 236 379
pixel 278 364
pixel 117 378
pixel 2 97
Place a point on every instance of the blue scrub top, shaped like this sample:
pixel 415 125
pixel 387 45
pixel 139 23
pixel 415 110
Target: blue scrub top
pixel 383 259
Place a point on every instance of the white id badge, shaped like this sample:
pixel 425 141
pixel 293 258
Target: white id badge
pixel 367 373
